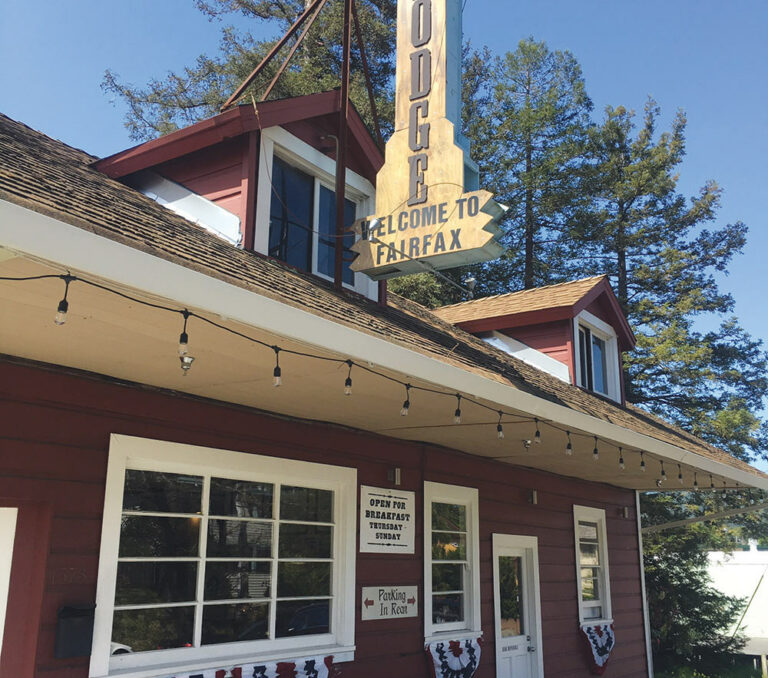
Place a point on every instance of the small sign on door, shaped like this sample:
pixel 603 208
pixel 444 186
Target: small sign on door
pixel 389 602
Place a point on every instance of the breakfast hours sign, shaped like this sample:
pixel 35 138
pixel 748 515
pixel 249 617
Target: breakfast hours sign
pixel 386 520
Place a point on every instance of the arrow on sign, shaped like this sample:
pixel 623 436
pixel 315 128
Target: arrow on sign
pixel 367 602
pixel 411 601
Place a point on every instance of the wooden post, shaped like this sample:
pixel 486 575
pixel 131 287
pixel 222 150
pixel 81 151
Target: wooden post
pixel 341 156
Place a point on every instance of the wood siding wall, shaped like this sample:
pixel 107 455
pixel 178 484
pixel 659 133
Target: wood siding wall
pixel 54 444
pixel 554 339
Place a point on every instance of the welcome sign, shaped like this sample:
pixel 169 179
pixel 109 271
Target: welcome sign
pixel 428 206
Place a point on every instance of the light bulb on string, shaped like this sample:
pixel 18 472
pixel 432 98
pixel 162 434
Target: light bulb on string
pixel 680 474
pixel 725 494
pixel 407 402
pixel 642 461
pixel 186 363
pixel 595 451
pixel 348 380
pixel 663 472
pixel 711 483
pixel 277 373
pixel 621 459
pixel 457 413
pixel 695 480
pixel 500 428
pixel 184 337
pixel 63 307
pixel 569 445
pixel 537 435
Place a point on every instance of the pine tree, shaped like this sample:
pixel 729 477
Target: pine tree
pixel 180 99
pixel 662 259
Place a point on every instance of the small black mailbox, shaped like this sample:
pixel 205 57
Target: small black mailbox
pixel 74 631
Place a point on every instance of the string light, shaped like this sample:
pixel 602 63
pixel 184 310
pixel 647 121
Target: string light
pixel 348 380
pixel 186 363
pixel 725 494
pixel 277 373
pixel 61 311
pixel 695 480
pixel 184 337
pixel 680 474
pixel 457 413
pixel 663 472
pixel 711 483
pixel 407 402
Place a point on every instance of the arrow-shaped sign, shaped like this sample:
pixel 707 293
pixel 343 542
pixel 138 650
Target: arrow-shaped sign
pixel 411 601
pixel 367 602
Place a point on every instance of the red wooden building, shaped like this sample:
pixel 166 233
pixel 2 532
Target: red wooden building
pixel 417 478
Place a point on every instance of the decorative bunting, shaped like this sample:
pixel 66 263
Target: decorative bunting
pixel 454 658
pixel 309 667
pixel 600 639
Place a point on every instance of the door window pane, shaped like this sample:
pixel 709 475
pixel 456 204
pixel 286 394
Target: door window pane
pixel 511 596
pixel 291 215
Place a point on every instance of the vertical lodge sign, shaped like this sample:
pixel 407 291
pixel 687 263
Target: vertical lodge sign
pixel 428 206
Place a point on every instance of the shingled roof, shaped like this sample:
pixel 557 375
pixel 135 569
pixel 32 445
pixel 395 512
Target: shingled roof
pixel 51 178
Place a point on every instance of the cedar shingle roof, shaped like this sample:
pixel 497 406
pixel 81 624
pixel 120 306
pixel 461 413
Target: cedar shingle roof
pixel 51 178
pixel 563 295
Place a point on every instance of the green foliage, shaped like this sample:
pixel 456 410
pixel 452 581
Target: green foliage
pixel 689 620
pixel 182 98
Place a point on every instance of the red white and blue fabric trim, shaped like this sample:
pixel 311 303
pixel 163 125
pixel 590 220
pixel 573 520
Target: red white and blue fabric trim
pixel 309 667
pixel 454 658
pixel 600 639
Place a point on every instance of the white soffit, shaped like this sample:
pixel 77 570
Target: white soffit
pixel 43 237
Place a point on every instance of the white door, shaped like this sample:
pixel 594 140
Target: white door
pixel 517 607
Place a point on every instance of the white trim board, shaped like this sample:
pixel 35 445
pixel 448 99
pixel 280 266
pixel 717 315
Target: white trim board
pixel 29 232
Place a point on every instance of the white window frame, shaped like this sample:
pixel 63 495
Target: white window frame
pixel 276 141
pixel 604 331
pixel 469 498
pixel 593 515
pixel 127 452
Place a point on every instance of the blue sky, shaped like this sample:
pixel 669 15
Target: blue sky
pixel 708 57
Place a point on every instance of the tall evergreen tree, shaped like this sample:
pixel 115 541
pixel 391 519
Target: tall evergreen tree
pixel 182 98
pixel 655 246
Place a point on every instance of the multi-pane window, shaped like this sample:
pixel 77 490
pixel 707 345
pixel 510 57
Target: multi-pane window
pixel 449 562
pixel 302 226
pixel 451 556
pixel 592 564
pixel 206 560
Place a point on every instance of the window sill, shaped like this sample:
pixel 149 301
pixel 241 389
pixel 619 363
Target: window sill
pixel 340 654
pixel 453 635
pixel 595 622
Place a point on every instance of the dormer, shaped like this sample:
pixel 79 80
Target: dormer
pixel 575 331
pixel 262 177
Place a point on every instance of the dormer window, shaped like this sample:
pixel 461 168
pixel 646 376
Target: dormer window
pixel 296 208
pixel 597 356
